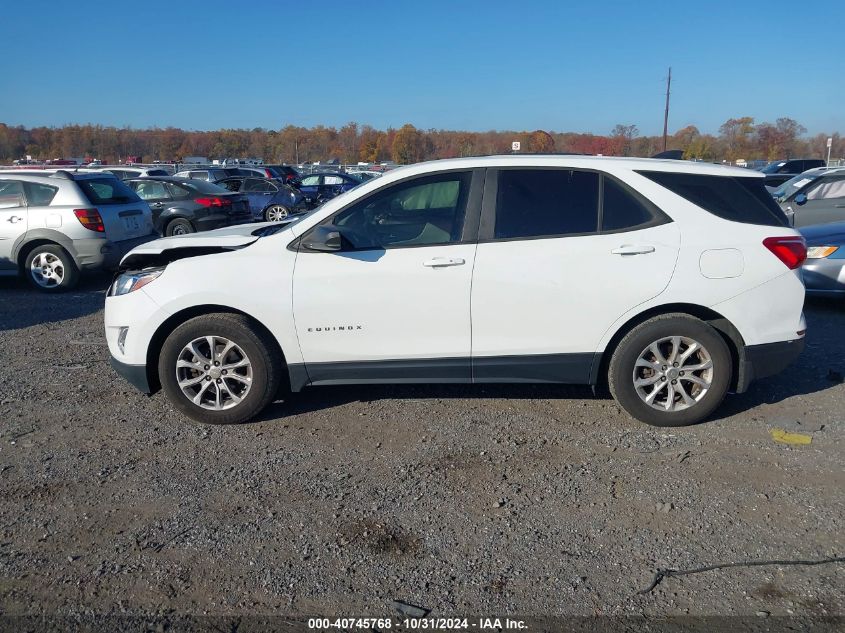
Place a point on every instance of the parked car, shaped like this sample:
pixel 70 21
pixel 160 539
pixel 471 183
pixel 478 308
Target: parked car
pixel 55 225
pixel 792 185
pixel 824 270
pixel 125 173
pixel 211 174
pixel 815 198
pixel 779 171
pixel 673 282
pixel 285 173
pixel 181 205
pixel 321 186
pixel 270 200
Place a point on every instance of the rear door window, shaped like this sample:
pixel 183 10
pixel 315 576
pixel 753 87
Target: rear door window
pixel 728 197
pixel 11 194
pixel 546 203
pixel 622 209
pixel 258 185
pixel 107 191
pixel 178 192
pixel 38 195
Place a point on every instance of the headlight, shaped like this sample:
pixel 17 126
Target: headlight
pixel 129 282
pixel 819 252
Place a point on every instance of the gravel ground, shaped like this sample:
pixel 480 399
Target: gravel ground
pixel 472 501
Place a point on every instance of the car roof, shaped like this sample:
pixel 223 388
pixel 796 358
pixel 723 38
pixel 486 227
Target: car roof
pixel 175 179
pixel 575 161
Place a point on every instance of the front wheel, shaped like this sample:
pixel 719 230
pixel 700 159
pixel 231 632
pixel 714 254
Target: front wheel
pixel 219 368
pixel 672 370
pixel 276 213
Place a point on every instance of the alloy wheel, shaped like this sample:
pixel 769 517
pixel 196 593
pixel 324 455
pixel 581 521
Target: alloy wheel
pixel 214 373
pixel 673 373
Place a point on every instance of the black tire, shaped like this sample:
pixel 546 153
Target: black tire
pixel 635 343
pixel 58 262
pixel 259 348
pixel 179 226
pixel 280 212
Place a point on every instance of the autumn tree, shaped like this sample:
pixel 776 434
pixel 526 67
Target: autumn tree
pixel 408 145
pixel 541 142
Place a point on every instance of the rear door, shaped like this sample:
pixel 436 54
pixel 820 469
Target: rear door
pixel 562 254
pixel 155 194
pixel 825 202
pixel 13 220
pixel 260 193
pixel 125 215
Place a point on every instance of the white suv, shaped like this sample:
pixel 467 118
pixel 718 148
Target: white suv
pixel 672 282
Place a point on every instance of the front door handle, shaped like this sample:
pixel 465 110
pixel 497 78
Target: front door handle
pixel 14 219
pixel 633 249
pixel 440 262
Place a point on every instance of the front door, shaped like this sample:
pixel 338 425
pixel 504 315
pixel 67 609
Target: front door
pixel 562 254
pixel 825 203
pixel 393 304
pixel 13 220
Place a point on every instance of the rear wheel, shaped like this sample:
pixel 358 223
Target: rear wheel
pixel 276 213
pixel 179 226
pixel 219 368
pixel 50 268
pixel 672 370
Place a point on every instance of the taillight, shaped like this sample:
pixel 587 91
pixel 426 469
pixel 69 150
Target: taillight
pixel 792 250
pixel 90 219
pixel 213 202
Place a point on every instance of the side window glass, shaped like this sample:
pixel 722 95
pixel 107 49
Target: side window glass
pixel 620 209
pixel 546 203
pixel 177 192
pixel 39 195
pixel 11 194
pixel 827 190
pixel 231 185
pixel 311 181
pixel 424 211
pixel 151 190
pixel 332 180
pixel 256 185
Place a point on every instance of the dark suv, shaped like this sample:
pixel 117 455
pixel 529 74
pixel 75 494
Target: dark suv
pixel 181 205
pixel 779 171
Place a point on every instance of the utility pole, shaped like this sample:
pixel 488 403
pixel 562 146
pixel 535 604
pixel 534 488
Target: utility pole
pixel 666 113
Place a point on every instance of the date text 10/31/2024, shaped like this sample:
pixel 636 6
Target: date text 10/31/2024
pixel 430 624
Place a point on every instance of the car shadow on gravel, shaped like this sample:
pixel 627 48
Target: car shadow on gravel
pixel 820 367
pixel 22 306
pixel 319 398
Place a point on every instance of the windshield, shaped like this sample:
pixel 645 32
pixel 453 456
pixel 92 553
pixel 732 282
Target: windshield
pixel 772 168
pixel 792 185
pixel 107 191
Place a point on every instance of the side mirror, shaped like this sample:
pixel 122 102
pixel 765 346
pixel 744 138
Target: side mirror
pixel 800 199
pixel 323 238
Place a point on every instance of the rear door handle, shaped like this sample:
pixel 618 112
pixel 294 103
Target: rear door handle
pixel 14 219
pixel 633 249
pixel 440 262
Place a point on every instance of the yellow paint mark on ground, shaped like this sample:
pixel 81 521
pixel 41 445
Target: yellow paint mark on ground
pixel 779 435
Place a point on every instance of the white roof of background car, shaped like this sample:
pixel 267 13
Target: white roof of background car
pixel 574 161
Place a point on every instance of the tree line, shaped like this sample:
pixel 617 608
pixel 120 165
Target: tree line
pixel 738 138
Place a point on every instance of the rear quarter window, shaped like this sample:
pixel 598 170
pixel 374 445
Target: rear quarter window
pixel 107 191
pixel 729 197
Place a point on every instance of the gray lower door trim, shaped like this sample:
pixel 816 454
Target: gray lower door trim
pixel 539 368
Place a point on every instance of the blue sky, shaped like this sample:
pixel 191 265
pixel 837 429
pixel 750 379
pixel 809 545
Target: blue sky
pixel 553 65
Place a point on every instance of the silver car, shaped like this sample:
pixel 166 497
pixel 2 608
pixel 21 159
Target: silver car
pixel 54 225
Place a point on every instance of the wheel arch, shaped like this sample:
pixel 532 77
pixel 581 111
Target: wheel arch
pixel 726 329
pixel 177 319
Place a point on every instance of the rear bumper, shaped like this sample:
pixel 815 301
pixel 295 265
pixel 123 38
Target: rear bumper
pixel 761 361
pixel 135 375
